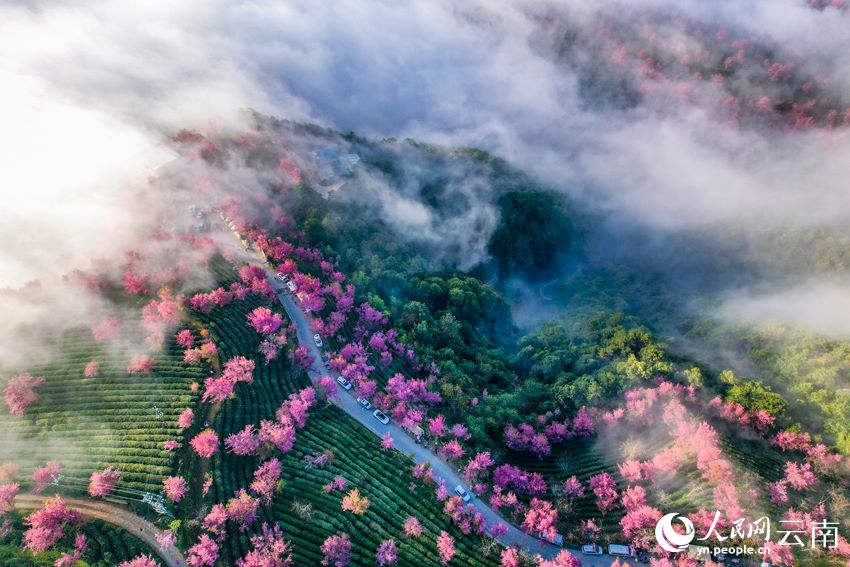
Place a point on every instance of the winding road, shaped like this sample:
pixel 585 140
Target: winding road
pixel 111 514
pixel 404 442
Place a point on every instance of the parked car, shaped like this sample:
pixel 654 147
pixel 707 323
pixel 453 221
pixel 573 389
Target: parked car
pixel 591 549
pixel 365 403
pixel 317 338
pixel 621 550
pixel 346 385
pixel 554 539
pixel 464 495
pixel 381 416
pixel 280 276
pixel 291 287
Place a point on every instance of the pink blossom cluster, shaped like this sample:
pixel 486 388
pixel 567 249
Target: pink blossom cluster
pixel 68 559
pixel 45 526
pixel 237 369
pixel 264 320
pixel 207 351
pixel 20 392
pixel 106 329
pixel 508 476
pixel 605 489
pixel 175 488
pixel 338 483
pixel 386 554
pixel 337 551
pixel 265 480
pixel 205 443
pixel 270 549
pixel 91 369
pixel 43 476
pixel 101 483
pixel 204 553
pixel 445 547
pixel 525 437
pixel 465 517
pixel 732 412
pixel 186 418
pixel 140 364
pixel 243 443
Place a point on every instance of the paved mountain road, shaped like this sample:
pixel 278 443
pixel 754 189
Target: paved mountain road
pixel 404 442
pixel 111 514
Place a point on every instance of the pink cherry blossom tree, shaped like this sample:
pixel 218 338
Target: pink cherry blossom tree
pixel 68 559
pixel 279 435
pixel 604 488
pixel 541 516
pixel 43 476
pixel 140 364
pixel 140 561
pixel 563 559
pixel 8 492
pixel 45 526
pixel 184 338
pixel 205 443
pixel 386 554
pixel 412 527
pixel 572 488
pixel 242 509
pixel 103 482
pixel 445 547
pixel 270 549
pixel 264 321
pixel 244 442
pixel 337 551
pixel 509 557
pixel 204 553
pixel 175 488
pixel 265 481
pixel 91 369
pixel 20 392
pixel 799 477
pixel 186 418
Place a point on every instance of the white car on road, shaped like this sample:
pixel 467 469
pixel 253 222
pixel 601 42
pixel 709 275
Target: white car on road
pixel 381 416
pixel 464 495
pixel 591 549
pixel 291 287
pixel 346 385
pixel 367 405
pixel 317 338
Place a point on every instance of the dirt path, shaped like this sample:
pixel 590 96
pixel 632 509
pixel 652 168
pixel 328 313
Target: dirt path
pixel 111 514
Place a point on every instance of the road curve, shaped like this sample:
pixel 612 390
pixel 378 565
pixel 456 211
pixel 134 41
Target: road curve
pixel 111 514
pixel 404 442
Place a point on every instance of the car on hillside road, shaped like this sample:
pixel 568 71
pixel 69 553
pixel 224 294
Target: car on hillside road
pixel 367 405
pixel 280 276
pixel 553 538
pixel 619 550
pixel 346 385
pixel 464 495
pixel 291 287
pixel 381 416
pixel 591 549
pixel 317 338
